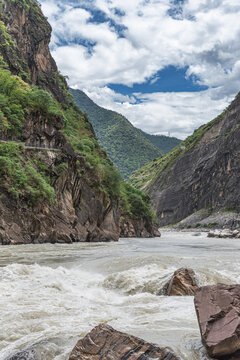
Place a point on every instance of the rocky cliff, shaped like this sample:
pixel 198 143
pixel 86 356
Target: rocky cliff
pixel 24 37
pixel 56 184
pixel 203 172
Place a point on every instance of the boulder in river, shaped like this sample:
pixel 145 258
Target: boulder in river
pixel 40 351
pixel 225 233
pixel 218 309
pixel 103 342
pixel 27 354
pixel 182 283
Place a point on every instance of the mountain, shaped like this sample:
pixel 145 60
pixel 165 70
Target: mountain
pixel 164 143
pixel 203 172
pixel 56 183
pixel 126 146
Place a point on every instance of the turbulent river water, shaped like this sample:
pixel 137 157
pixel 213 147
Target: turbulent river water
pixel 52 295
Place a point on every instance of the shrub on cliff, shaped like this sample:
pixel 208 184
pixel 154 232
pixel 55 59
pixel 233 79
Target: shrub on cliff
pixel 21 177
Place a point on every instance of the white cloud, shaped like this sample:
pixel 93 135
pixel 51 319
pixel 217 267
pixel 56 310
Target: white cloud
pixel 203 37
pixel 161 113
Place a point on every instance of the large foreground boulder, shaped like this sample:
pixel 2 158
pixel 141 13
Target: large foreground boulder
pixel 182 283
pixel 103 342
pixel 218 312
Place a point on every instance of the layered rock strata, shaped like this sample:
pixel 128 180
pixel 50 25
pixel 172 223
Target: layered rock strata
pixel 218 309
pixel 103 342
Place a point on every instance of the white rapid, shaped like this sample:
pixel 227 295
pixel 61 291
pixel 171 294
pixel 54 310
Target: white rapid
pixel 52 295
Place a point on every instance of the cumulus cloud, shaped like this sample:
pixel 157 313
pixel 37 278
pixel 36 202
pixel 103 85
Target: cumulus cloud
pixel 163 113
pixel 200 35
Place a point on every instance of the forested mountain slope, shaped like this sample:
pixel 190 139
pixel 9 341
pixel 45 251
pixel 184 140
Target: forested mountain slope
pixel 202 172
pixel 127 147
pixel 56 183
pixel 164 143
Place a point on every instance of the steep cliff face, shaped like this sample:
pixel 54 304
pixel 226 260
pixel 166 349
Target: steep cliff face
pixel 24 45
pixel 204 171
pixel 77 211
pixel 56 184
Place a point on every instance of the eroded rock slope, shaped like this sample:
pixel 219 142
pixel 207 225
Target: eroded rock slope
pixel 56 183
pixel 203 172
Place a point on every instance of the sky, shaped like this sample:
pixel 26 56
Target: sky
pixel 169 66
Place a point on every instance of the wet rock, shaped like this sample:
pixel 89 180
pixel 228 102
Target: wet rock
pixel 103 342
pixel 182 283
pixel 218 309
pixel 214 233
pixel 28 354
pixel 41 351
pixel 225 233
pixel 144 227
pixel 235 356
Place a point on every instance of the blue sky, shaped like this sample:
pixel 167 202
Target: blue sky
pixel 170 79
pixel 167 65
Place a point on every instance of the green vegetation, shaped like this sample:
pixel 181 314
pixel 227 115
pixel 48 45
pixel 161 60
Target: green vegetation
pixel 126 146
pixel 206 226
pixel 231 210
pixel 15 97
pixel 26 4
pixel 144 177
pixel 164 143
pixel 135 203
pixel 28 178
pixel 21 177
pixel 101 172
pixel 8 48
pixel 6 39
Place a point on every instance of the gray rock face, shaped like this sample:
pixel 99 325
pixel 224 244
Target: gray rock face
pixel 103 342
pixel 207 175
pixel 218 309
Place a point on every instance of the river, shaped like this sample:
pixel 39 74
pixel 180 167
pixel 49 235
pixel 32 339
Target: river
pixel 54 294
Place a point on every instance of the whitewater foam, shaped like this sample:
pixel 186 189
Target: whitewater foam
pixel 53 295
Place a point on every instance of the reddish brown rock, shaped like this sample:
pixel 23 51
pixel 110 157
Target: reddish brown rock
pixel 218 312
pixel 103 342
pixel 235 356
pixel 182 283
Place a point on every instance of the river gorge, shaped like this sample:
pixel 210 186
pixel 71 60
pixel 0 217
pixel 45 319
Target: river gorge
pixel 53 294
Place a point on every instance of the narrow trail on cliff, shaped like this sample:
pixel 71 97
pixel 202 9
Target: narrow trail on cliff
pixel 51 295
